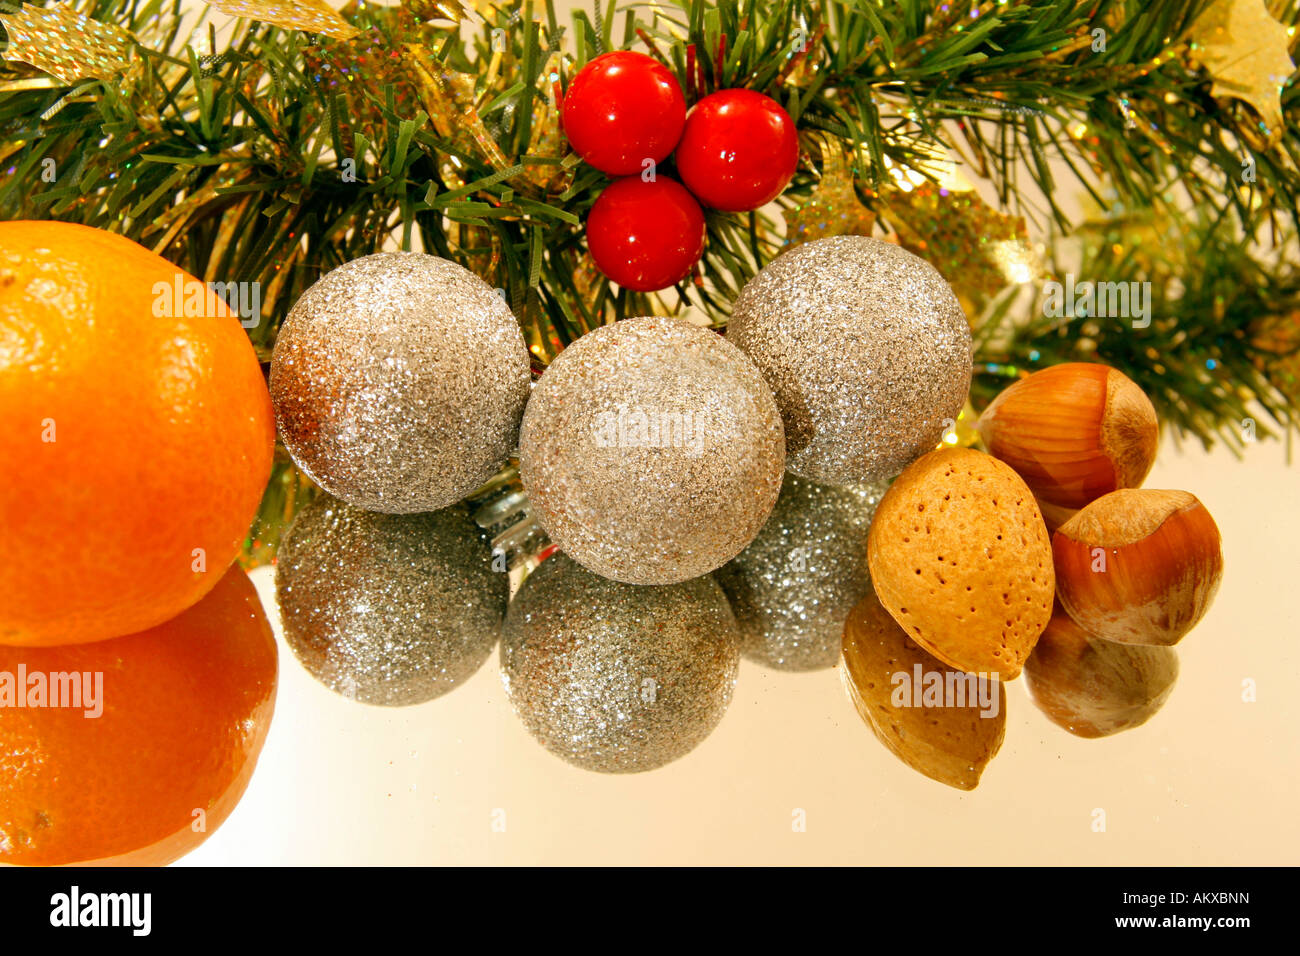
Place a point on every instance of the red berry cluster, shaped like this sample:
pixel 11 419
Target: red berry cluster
pixel 624 113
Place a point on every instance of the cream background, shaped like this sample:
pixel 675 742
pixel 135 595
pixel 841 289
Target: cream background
pixel 1209 780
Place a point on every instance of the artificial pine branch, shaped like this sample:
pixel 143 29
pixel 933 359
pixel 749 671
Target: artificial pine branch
pixel 1211 359
pixel 232 164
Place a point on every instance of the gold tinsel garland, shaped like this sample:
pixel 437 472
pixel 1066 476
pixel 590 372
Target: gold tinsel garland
pixel 68 45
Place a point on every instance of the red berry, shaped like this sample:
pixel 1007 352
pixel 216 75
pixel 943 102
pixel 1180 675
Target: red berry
pixel 646 235
pixel 622 109
pixel 739 150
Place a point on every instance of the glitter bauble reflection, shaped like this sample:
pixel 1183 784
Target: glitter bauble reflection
pixel 794 587
pixel 866 349
pixel 615 677
pixel 389 609
pixel 399 380
pixel 651 451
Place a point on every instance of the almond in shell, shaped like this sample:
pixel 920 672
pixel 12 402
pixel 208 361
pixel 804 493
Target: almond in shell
pixel 952 742
pixel 961 559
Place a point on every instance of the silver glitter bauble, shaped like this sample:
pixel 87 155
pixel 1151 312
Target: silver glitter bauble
pixel 617 677
pixel 651 451
pixel 389 609
pixel 866 349
pixel 793 588
pixel 398 381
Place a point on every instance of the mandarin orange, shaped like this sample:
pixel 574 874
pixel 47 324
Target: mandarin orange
pixel 135 440
pixel 183 710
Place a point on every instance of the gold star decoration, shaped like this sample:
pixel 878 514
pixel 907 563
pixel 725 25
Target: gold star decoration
pixel 832 208
pixel 66 44
pixel 1244 49
pixel 978 249
pixel 310 16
